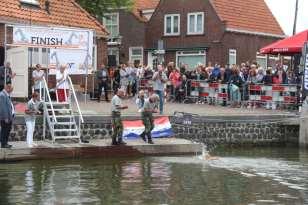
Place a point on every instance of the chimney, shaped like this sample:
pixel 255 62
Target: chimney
pixel 47 6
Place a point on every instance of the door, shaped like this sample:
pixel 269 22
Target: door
pixel 18 57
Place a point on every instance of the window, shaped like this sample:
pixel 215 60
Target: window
pixel 172 24
pixel 191 58
pixel 113 55
pixel 262 61
pixel 232 56
pixel 195 23
pixel 136 55
pixel 39 56
pixel 111 22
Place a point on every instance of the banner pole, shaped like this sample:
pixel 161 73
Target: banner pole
pixel 5 52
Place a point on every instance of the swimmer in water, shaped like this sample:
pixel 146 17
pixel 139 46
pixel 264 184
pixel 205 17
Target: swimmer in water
pixel 209 157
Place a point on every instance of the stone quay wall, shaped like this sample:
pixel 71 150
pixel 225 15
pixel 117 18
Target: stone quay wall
pixel 213 131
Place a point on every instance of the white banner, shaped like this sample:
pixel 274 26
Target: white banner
pixel 71 47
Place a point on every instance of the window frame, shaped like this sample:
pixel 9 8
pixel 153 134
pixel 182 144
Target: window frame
pixel 172 33
pixel 195 23
pixel 131 54
pixel 264 57
pixel 118 23
pixel 40 56
pixel 234 55
pixel 191 53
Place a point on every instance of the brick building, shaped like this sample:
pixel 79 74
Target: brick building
pixel 57 13
pixel 199 31
pixel 127 32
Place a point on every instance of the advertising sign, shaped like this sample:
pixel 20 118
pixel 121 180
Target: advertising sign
pixel 71 47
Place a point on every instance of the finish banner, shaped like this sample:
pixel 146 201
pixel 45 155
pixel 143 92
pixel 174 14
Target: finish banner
pixel 67 46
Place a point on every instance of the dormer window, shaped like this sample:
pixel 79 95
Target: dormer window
pixel 34 3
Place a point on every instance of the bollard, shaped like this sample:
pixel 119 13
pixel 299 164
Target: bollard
pixel 303 131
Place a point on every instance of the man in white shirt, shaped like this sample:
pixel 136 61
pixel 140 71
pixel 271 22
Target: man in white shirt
pixel 160 78
pixel 37 77
pixel 116 107
pixel 62 84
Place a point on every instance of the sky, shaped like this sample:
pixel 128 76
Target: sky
pixel 284 11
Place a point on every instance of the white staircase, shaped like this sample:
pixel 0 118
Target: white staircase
pixel 62 121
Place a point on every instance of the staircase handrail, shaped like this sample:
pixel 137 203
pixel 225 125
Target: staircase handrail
pixel 45 87
pixel 75 98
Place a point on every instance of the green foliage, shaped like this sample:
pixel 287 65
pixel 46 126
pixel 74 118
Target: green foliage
pixel 99 7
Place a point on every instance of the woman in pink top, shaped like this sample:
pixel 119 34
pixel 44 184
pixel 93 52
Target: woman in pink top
pixel 174 77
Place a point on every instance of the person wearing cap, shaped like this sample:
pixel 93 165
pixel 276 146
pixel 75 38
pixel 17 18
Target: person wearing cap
pixel 149 107
pixel 116 107
pixel 160 78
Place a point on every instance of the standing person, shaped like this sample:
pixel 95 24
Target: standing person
pixel 6 75
pixel 30 116
pixel 124 78
pixel 140 100
pixel 116 107
pixel 37 77
pixel 174 77
pixel 160 79
pixel 102 77
pixel 149 107
pixel 235 84
pixel 62 84
pixel 116 80
pixel 7 114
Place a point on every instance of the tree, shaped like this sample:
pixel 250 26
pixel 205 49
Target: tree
pixel 99 7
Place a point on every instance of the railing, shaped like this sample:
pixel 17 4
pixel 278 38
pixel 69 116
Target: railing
pixel 75 98
pixel 80 118
pixel 46 92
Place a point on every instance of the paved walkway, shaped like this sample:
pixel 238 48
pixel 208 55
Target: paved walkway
pixel 103 108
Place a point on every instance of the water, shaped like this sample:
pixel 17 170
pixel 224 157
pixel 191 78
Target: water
pixel 251 176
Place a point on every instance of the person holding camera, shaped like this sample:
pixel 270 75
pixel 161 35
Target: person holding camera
pixel 149 107
pixel 30 117
pixel 160 78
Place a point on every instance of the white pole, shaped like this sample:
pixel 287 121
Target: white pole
pixel 86 87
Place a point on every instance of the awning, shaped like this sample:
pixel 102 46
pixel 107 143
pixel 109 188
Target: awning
pixel 290 45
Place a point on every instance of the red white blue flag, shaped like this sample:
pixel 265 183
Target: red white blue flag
pixel 132 129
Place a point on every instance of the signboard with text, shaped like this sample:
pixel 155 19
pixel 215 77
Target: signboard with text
pixel 71 47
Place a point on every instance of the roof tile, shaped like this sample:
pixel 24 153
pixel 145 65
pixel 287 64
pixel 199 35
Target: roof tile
pixel 140 5
pixel 249 15
pixel 62 12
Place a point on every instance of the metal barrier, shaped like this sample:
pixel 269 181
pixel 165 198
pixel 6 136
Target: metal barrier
pixel 273 95
pixel 202 91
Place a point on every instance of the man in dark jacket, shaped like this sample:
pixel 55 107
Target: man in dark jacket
pixel 7 114
pixel 102 77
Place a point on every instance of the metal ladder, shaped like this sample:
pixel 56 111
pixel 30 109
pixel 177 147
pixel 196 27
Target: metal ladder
pixel 60 117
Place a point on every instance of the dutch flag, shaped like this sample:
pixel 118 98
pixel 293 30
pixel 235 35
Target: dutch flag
pixel 132 129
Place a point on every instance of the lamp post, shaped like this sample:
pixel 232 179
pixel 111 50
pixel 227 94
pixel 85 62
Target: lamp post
pixel 295 17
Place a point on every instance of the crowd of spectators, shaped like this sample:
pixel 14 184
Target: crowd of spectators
pixel 178 83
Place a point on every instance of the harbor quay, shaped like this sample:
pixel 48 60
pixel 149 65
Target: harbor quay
pixel 208 125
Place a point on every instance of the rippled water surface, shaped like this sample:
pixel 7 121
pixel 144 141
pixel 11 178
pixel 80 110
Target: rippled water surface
pixel 254 176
